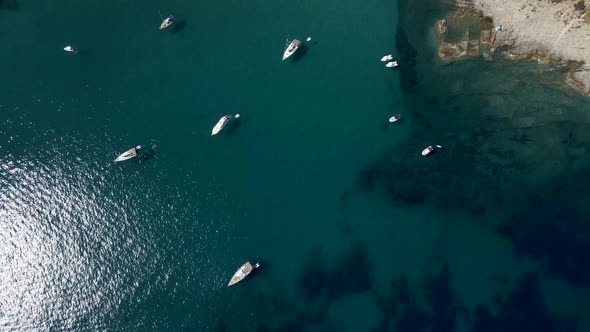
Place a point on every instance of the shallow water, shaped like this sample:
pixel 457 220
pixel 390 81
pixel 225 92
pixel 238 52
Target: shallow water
pixel 355 231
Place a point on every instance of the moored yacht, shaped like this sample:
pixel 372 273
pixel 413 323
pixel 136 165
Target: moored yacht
pixel 131 153
pixel 430 149
pixel 395 118
pixel 167 22
pixel 242 273
pixel 221 123
pixel 291 48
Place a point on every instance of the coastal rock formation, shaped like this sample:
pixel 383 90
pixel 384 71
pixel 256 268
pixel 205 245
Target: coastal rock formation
pixel 463 23
pixel 558 29
pixel 466 47
pixel 547 31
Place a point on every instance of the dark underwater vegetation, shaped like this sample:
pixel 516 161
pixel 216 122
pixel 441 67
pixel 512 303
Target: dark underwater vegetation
pixel 509 160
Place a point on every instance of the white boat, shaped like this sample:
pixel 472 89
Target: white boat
pixel 395 118
pixel 293 46
pixel 242 273
pixel 391 64
pixel 167 22
pixel 427 151
pixel 220 124
pixel 69 49
pixel 387 57
pixel 128 154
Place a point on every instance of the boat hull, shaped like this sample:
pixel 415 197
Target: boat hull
pixel 220 125
pixel 291 49
pixel 131 153
pixel 394 118
pixel 167 22
pixel 427 151
pixel 241 274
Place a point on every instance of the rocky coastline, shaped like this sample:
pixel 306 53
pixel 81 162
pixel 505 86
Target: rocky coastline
pixel 547 31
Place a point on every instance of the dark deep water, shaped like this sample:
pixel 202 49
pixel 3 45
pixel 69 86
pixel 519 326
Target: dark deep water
pixel 355 230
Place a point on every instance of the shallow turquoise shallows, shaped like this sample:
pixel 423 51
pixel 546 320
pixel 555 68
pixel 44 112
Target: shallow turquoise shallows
pixel 354 229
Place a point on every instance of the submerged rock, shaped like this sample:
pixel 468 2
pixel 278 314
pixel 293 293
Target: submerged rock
pixel 579 81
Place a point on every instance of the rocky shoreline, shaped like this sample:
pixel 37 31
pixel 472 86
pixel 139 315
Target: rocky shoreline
pixel 546 31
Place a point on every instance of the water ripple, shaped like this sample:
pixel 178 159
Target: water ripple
pixel 77 247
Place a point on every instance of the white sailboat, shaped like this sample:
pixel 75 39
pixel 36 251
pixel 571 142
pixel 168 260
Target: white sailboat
pixel 167 22
pixel 289 50
pixel 128 154
pixel 242 273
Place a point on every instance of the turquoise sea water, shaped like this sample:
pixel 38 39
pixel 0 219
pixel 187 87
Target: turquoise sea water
pixel 354 230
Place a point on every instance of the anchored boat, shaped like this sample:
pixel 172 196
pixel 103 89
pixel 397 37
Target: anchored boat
pixel 289 50
pixel 167 22
pixel 242 273
pixel 131 153
pixel 395 118
pixel 391 64
pixel 429 150
pixel 221 123
pixel 387 57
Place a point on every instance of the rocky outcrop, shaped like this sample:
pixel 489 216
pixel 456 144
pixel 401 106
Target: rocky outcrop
pixel 546 31
pixel 468 45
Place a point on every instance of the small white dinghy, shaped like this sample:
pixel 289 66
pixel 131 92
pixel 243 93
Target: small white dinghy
pixel 391 64
pixel 221 123
pixel 128 154
pixel 395 118
pixel 69 49
pixel 289 50
pixel 387 57
pixel 242 273
pixel 167 22
pixel 429 150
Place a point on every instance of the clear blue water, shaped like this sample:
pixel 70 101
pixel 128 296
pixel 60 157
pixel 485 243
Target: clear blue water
pixel 354 230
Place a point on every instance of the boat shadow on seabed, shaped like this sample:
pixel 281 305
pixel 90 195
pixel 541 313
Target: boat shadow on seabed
pixel 146 153
pixel 232 126
pixel 303 48
pixel 179 26
pixel 138 154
